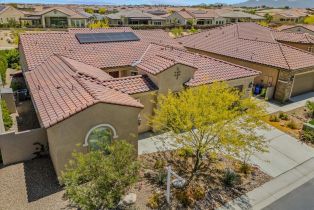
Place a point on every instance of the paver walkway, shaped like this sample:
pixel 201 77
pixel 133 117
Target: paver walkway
pixel 285 152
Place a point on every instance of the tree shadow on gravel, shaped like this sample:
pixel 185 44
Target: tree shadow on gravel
pixel 40 178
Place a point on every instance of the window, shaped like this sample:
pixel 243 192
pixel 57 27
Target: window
pixel 101 134
pixel 158 23
pixel 133 73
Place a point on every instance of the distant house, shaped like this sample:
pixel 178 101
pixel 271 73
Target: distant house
pixel 58 17
pixel 285 16
pixel 135 17
pixel 10 14
pixel 196 17
pixel 238 16
pixel 300 28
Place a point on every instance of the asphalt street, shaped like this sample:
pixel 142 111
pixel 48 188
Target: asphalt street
pixel 302 198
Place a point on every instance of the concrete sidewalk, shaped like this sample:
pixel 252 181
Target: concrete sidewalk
pixel 285 152
pixel 274 189
pixel 297 102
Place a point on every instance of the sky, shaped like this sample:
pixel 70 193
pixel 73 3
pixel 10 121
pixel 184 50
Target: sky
pixel 116 2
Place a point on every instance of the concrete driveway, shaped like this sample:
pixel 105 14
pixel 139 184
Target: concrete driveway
pixel 285 152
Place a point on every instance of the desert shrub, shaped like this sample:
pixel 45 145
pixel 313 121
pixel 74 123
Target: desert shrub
pixel 155 201
pixel 7 119
pixel 230 178
pixel 283 116
pixel 177 31
pixel 161 177
pixel 307 136
pixel 3 68
pixel 159 164
pixel 292 124
pixel 310 106
pixel 198 192
pixel 184 197
pixel 274 118
pixel 245 168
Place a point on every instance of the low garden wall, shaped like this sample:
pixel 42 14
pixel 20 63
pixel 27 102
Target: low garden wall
pixel 21 146
pixel 308 126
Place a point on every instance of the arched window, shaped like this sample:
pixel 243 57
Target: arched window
pixel 100 134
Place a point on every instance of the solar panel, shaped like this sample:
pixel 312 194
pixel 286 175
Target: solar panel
pixel 85 38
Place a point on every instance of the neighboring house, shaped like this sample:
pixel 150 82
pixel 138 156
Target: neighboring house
pixel 300 28
pixel 9 14
pixel 197 17
pixel 285 16
pixel 84 80
pixel 238 16
pixel 135 18
pixel 58 17
pixel 288 69
pixel 302 41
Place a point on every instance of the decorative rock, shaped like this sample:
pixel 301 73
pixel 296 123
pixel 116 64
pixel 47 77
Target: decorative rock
pixel 129 199
pixel 179 183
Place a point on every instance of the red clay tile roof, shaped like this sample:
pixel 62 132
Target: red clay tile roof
pixel 294 37
pixel 306 26
pixel 38 47
pixel 250 42
pixel 207 71
pixel 132 84
pixel 59 91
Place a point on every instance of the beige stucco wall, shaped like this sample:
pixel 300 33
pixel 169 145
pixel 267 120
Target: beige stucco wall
pixel 10 13
pixel 65 136
pixel 148 99
pixel 17 147
pixel 167 80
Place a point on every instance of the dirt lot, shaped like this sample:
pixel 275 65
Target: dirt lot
pixel 4 35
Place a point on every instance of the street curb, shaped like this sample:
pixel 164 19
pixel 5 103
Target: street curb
pixel 271 191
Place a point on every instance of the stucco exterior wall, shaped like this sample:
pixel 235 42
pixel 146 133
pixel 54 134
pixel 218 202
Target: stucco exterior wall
pixel 147 99
pixel 17 147
pixel 176 18
pixel 65 136
pixel 167 80
pixel 10 13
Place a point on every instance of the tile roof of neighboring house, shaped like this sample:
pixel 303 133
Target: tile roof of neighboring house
pixel 306 26
pixel 197 13
pixel 65 10
pixel 250 42
pixel 134 14
pixel 238 14
pixel 160 57
pixel 60 90
pixel 293 37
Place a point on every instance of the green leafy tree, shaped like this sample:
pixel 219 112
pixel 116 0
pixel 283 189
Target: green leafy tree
pixel 210 119
pixel 102 10
pixel 3 68
pixel 13 58
pixel 7 119
pixel 89 10
pixel 98 179
pixel 268 17
pixel 309 19
pixel 99 24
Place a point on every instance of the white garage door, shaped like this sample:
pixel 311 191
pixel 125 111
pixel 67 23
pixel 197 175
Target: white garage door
pixel 303 83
